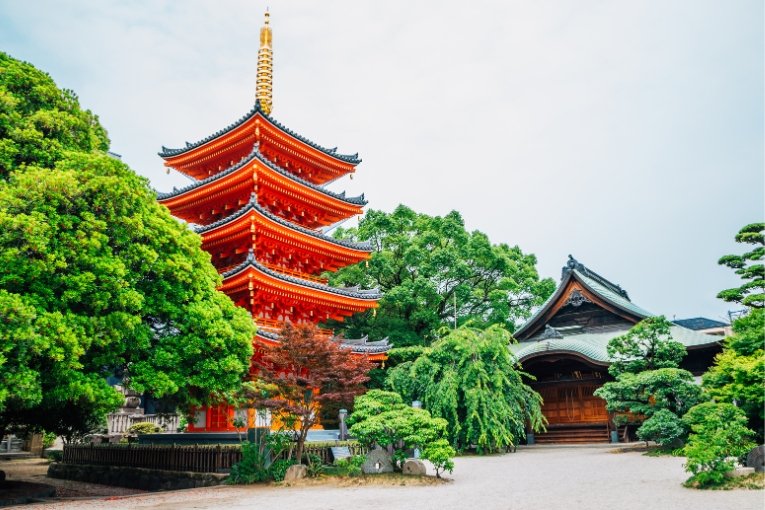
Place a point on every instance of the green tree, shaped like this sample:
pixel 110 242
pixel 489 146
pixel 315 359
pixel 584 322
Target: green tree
pixel 98 279
pixel 749 267
pixel 39 122
pixel 433 272
pixel 739 370
pixel 649 384
pixel 648 345
pixel 719 437
pixel 470 379
pixel 381 418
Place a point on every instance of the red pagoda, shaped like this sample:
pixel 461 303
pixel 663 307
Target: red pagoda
pixel 259 200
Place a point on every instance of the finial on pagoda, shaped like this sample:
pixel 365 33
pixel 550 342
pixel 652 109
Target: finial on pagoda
pixel 264 83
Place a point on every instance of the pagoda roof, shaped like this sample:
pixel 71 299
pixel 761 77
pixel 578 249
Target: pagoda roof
pixel 357 346
pixel 257 155
pixel 253 205
pixel 350 292
pixel 258 111
pixel 610 293
pixel 593 346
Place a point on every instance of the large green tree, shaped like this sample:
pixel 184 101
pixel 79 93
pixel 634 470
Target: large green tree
pixel 470 379
pixel 96 278
pixel 433 272
pixel 39 122
pixel 749 267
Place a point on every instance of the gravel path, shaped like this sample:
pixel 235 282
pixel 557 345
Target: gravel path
pixel 533 478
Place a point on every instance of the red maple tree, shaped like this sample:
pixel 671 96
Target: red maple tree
pixel 303 371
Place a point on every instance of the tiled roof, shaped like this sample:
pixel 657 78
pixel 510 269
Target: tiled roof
pixel 608 291
pixel 254 205
pixel 593 345
pixel 360 345
pixel 348 158
pixel 609 294
pixel 371 294
pixel 697 323
pixel 256 154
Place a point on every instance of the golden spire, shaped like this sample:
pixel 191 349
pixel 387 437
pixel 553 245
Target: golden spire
pixel 264 83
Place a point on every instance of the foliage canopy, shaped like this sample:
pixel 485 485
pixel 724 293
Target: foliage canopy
pixel 434 272
pixel 739 370
pixel 649 384
pixel 470 379
pixel 749 267
pixel 96 278
pixel 304 370
pixel 381 418
pixel 39 122
pixel 646 346
pixel 718 438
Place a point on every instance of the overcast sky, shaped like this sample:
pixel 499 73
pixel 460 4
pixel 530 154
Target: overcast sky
pixel 629 134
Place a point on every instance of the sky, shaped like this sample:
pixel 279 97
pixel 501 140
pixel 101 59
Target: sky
pixel 628 134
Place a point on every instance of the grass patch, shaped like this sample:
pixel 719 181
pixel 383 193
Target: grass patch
pixel 383 479
pixel 755 481
pixel 663 451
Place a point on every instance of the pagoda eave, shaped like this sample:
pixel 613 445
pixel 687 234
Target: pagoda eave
pixel 253 277
pixel 236 184
pixel 255 127
pixel 240 229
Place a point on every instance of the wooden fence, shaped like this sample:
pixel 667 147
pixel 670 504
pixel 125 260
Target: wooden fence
pixel 322 450
pixel 198 458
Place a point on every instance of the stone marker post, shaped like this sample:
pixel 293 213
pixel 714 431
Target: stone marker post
pixel 417 405
pixel 342 415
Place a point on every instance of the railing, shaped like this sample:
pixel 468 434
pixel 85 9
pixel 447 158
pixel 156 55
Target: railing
pixel 322 450
pixel 119 423
pixel 297 274
pixel 197 458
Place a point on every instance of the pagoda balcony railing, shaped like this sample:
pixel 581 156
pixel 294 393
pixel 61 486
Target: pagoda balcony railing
pixel 229 267
pixel 280 269
pixel 296 274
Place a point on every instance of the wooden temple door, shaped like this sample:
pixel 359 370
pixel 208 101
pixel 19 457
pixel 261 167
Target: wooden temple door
pixel 572 403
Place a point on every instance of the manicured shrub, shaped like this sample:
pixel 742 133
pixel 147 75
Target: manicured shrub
pixel 381 418
pixel 144 427
pixel 665 428
pixel 718 439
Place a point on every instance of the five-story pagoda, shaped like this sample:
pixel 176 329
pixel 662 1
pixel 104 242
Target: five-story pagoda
pixel 259 200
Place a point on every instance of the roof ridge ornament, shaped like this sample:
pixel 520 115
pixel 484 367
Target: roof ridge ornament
pixel 574 265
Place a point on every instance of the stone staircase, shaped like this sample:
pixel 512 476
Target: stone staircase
pixel 574 434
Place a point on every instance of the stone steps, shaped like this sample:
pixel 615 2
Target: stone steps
pixel 574 435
